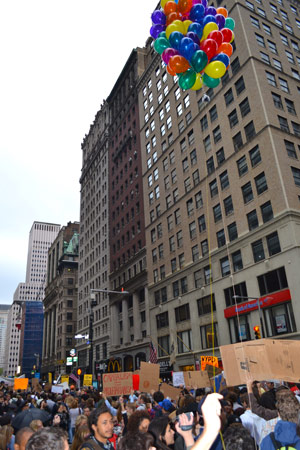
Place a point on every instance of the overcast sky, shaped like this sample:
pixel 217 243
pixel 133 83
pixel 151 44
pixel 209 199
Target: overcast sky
pixel 59 60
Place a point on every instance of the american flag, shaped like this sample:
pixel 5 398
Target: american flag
pixel 153 354
pixel 74 377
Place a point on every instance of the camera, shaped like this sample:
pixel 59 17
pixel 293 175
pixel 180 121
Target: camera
pixel 185 427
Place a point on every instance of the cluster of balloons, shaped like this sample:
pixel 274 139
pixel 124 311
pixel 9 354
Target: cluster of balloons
pixel 194 41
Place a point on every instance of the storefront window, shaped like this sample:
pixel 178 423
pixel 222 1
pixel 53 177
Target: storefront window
pixel 280 320
pixel 239 329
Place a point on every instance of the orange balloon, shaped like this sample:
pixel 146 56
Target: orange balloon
pixel 178 64
pixel 222 11
pixel 170 7
pixel 173 16
pixel 184 6
pixel 170 71
pixel 226 48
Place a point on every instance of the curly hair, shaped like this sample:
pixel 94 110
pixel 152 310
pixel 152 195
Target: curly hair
pixel 49 438
pixel 287 405
pixel 135 420
pixel 138 441
pixel 238 438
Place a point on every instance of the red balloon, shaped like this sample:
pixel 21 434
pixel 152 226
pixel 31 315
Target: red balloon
pixel 210 47
pixel 226 48
pixel 173 16
pixel 227 34
pixel 216 36
pixel 178 64
pixel 170 71
pixel 135 381
pixel 170 7
pixel 184 6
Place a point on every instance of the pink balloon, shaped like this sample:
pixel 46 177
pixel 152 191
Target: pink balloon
pixel 168 53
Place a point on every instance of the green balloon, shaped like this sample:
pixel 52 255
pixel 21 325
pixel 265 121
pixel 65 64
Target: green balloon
pixel 187 79
pixel 161 44
pixel 162 34
pixel 210 82
pixel 229 23
pixel 199 60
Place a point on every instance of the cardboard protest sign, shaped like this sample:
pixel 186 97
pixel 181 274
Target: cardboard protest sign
pixel 209 360
pixel 170 391
pixel 36 385
pixel 20 383
pixel 212 371
pixel 87 379
pixel 149 377
pixel 64 379
pixel 196 379
pixel 262 359
pixel 178 379
pixel 119 383
pixel 218 383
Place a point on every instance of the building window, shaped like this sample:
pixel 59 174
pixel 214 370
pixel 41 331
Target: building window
pixel 280 320
pixel 237 141
pixel 220 156
pixel 252 220
pixel 198 279
pixel 255 22
pixel 273 244
pixel 237 261
pixel 239 329
pixel 162 320
pixel 217 213
pixel 204 247
pixel 258 251
pixel 266 212
pixel 239 290
pixel 233 118
pixel 272 281
pixel 247 192
pixel 201 223
pixel 221 239
pixel 225 266
pixel 192 229
pixel 207 144
pixel 213 187
pixel 296 175
pixel 232 231
pixel 255 156
pixel 210 165
pixel 164 345
pixel 224 180
pixel 228 96
pixel 249 130
pixel 182 313
pixel 244 107
pixel 239 85
pixel 184 341
pixel 207 274
pixel 206 304
pixel 209 336
pixel 195 253
pixel 173 265
pixel 242 166
pixel 261 183
pixel 204 123
pixel 228 205
pixel 283 123
pixel 290 106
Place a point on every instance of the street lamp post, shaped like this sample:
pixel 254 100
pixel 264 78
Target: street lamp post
pixel 259 310
pixel 93 303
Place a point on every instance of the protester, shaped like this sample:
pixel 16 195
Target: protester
pixel 81 435
pixel 48 438
pixel 101 426
pixel 138 421
pixel 138 441
pixel 22 438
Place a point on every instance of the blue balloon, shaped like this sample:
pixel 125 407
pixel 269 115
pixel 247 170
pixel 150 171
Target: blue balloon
pixel 208 19
pixel 196 28
pixel 211 11
pixel 187 48
pixel 158 17
pixel 175 39
pixel 220 21
pixel 204 3
pixel 155 30
pixel 194 37
pixel 197 13
pixel 221 57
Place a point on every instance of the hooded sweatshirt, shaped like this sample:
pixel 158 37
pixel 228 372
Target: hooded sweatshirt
pixel 285 433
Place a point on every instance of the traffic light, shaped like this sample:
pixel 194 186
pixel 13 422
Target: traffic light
pixel 79 371
pixel 257 332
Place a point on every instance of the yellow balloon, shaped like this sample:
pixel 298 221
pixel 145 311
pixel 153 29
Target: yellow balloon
pixel 232 39
pixel 180 26
pixel 163 2
pixel 186 25
pixel 198 83
pixel 170 28
pixel 215 69
pixel 209 27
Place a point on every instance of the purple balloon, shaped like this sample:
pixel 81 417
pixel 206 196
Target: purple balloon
pixel 194 37
pixel 167 54
pixel 196 2
pixel 204 3
pixel 220 21
pixel 158 17
pixel 211 11
pixel 156 29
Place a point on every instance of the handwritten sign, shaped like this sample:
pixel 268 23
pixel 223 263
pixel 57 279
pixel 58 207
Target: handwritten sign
pixel 210 361
pixel 87 380
pixel 170 391
pixel 178 379
pixel 149 377
pixel 196 379
pixel 119 383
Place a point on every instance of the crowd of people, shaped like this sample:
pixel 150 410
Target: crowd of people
pixel 258 415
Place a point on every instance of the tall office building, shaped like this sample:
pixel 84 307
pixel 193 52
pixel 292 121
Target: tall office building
pixel 4 310
pixel 221 187
pixel 41 237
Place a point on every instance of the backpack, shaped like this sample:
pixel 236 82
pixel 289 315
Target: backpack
pixel 279 446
